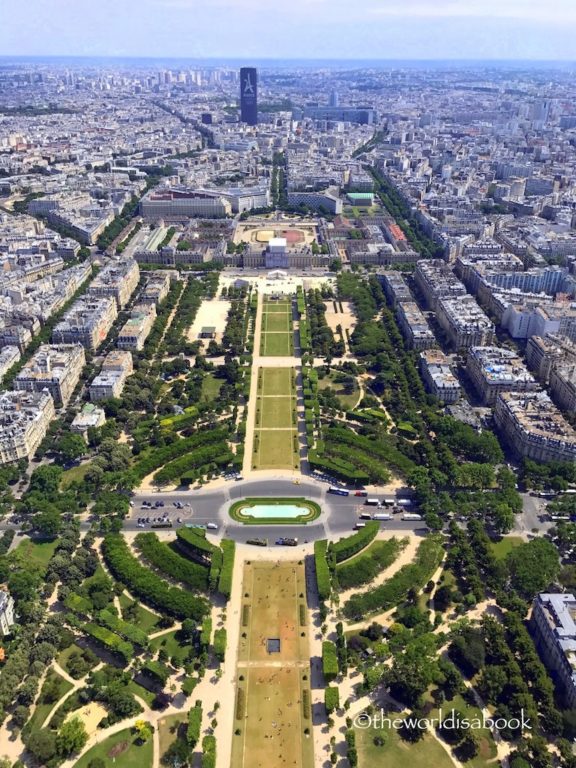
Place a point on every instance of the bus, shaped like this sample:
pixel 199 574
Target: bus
pixel 388 502
pixel 382 516
pixel 166 524
pixel 372 502
pixel 338 491
pixel 411 516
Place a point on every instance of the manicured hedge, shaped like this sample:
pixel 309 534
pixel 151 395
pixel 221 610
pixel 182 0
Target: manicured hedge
pixel 225 581
pixel 322 570
pixel 158 457
pixel 331 698
pixel 161 556
pixel 206 632
pixel 216 453
pixel 110 640
pixel 366 567
pixel 157 670
pixel 194 725
pixel 209 751
pixel 416 575
pixel 220 644
pixel 349 546
pixel 126 630
pixel 329 661
pixel 338 468
pixel 141 582
pixel 79 604
pixel 195 539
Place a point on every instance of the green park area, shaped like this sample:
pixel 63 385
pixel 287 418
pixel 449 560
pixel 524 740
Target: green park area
pixel 277 335
pixel 383 747
pixel 272 717
pixel 275 433
pixel 123 750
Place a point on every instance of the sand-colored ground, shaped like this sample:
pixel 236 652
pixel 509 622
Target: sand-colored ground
pixel 213 313
pixel 90 715
pixel 346 319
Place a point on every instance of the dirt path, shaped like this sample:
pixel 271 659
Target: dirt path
pixel 404 558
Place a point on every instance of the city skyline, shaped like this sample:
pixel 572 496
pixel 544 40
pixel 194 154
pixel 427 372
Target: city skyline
pixel 516 30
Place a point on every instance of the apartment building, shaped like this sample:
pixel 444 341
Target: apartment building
pixel 87 322
pixel 395 288
pixel 553 624
pixel 24 420
pixel 463 322
pixel 413 326
pixel 54 367
pixel 7 618
pixel 534 428
pixel 543 354
pixel 496 369
pixel 118 280
pixel 563 387
pixel 435 280
pixel 156 288
pixel 8 357
pixel 438 377
pixel 116 368
pixel 135 330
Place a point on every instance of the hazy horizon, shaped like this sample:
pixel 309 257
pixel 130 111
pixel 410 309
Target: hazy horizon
pixel 448 30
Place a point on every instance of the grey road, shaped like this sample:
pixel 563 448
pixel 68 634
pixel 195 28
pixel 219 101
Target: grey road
pixel 339 513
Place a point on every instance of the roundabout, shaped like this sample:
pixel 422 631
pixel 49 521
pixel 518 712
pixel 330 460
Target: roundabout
pixel 270 511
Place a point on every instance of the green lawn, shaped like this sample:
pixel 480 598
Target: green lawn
pixel 276 322
pixel 276 412
pixel 64 656
pixel 74 475
pixel 35 555
pixel 146 620
pixel 346 400
pixel 168 730
pixel 504 546
pixel 172 646
pixel 141 692
pixel 487 746
pixel 121 750
pixel 426 753
pixel 41 711
pixel 277 344
pixel 276 381
pixel 274 449
pixel 211 387
pixel 276 306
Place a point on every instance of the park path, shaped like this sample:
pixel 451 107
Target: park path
pixel 405 557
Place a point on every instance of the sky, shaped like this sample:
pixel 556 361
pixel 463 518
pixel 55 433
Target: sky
pixel 324 29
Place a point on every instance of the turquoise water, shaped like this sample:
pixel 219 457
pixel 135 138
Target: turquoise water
pixel 274 510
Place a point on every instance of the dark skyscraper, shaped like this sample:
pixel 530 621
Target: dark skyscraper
pixel 249 95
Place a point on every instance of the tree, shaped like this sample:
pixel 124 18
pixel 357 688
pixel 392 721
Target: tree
pixel 533 566
pixel 70 447
pixel 469 747
pixel 48 523
pixel 143 730
pixel 42 744
pixel 71 737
